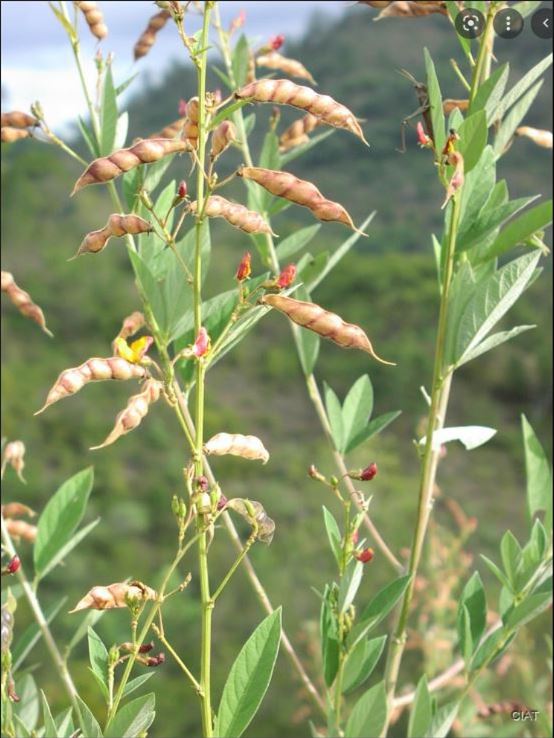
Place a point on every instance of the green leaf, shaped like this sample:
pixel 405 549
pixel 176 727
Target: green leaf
pixel 310 267
pixel 333 532
pixel 356 410
pixel 474 601
pixel 123 86
pixel 521 229
pixel 269 156
pixel 361 662
pixel 490 92
pixel 50 728
pixel 130 183
pixel 529 609
pixel 23 730
pixel 108 116
pixel 28 708
pixel 491 300
pixel 308 344
pixel 383 602
pixel 478 187
pixel 30 636
pixel 435 102
pixel 375 426
pixel 498 573
pixel 135 683
pixel 369 714
pixel 88 137
pixel 510 552
pixel 87 721
pixel 92 617
pixel 98 657
pixel 249 123
pixel 489 219
pixel 222 76
pixel 227 112
pixel 514 118
pixel 467 643
pixel 334 414
pixel 149 288
pixel 522 86
pixel 60 518
pixel 121 131
pixel 241 54
pixel 442 720
pixel 538 472
pixel 249 678
pixel 493 341
pixel 64 723
pixel 305 147
pixel 421 712
pixel 329 637
pixel 296 241
pixel 134 718
pixel 473 139
pixel 349 584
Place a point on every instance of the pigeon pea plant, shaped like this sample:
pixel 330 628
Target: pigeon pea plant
pixel 190 334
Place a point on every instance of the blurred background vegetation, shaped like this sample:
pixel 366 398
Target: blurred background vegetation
pixel 387 284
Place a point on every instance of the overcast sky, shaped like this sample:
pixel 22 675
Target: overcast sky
pixel 37 60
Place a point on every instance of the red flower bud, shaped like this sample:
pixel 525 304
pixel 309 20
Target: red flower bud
pixel 287 276
pixel 244 269
pixel 182 109
pixel 422 137
pixel 237 22
pixel 369 472
pixel 156 660
pixel 315 474
pixel 276 42
pixel 202 343
pixel 364 556
pixel 13 565
pixel 146 647
pixel 355 537
pixel 222 502
pixel 182 189
pixel 202 483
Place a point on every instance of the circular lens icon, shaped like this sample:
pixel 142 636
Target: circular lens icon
pixel 470 23
pixel 508 23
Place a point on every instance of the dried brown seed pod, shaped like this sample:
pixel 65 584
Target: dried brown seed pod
pixel 292 67
pixel 235 444
pixel 16 509
pixel 285 92
pixel 14 453
pixel 190 129
pixel 537 136
pixel 286 185
pixel 254 512
pixel 222 138
pixel 22 300
pixel 326 324
pixel 117 225
pixel 9 134
pixel 411 9
pixel 21 529
pixel 131 325
pixel 297 133
pixel 235 214
pixel 131 416
pixel 16 119
pixel 144 151
pixel 148 36
pixel 449 105
pixel 172 130
pixel 94 19
pixel 92 370
pixel 119 594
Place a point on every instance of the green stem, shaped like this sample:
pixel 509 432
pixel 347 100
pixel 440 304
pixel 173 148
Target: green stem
pixel 482 67
pixel 439 401
pixel 233 568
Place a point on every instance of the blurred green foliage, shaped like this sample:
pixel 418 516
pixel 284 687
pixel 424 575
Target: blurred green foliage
pixel 387 284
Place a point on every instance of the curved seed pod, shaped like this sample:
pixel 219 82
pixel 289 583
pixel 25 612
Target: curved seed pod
pixel 72 380
pixel 326 324
pixel 131 325
pixel 16 119
pixel 148 36
pixel 21 529
pixel 109 167
pixel 119 594
pixel 449 105
pixel 286 185
pixel 254 512
pixel 297 133
pixel 411 9
pixel 285 92
pixel 237 215
pixel 292 67
pixel 131 417
pixel 190 129
pixel 22 301
pixel 94 19
pixel 537 136
pixel 117 225
pixel 235 444
pixel 170 131
pixel 9 134
pixel 222 138
pixel 14 454
pixel 16 509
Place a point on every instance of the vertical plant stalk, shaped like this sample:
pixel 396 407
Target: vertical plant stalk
pixel 311 385
pixel 442 380
pixel 482 69
pixel 202 522
pixel 42 623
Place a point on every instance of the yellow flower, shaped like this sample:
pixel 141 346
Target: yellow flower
pixel 136 351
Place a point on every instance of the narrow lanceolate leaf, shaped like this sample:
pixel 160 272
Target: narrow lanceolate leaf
pixel 249 678
pixel 435 101
pixel 491 300
pixel 369 714
pixel 523 85
pixel 98 657
pixel 521 229
pixel 530 608
pixel 471 436
pixel 328 627
pixel 50 729
pixel 134 684
pixel 490 92
pixel 307 342
pixel 514 118
pixel 380 606
pixel 349 584
pixel 356 410
pixel 375 426
pixel 134 718
pixel 493 341
pixel 361 662
pixel 109 114
pixel 421 712
pixel 60 518
pixel 510 551
pixel 87 721
pixel 442 720
pixel 333 532
pixel 290 245
pixel 474 602
pixel 538 471
pixel 473 139
pixel 31 635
